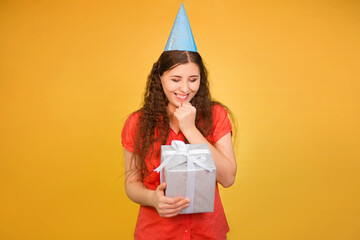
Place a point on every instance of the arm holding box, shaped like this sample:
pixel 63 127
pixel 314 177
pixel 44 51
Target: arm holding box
pixel 139 193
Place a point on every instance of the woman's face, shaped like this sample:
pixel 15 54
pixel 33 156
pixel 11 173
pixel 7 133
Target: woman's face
pixel 181 83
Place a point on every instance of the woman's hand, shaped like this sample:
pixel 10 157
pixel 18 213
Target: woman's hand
pixel 186 115
pixel 168 206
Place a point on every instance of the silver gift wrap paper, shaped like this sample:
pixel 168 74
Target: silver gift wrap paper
pixel 176 179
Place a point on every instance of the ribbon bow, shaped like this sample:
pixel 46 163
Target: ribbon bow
pixel 180 148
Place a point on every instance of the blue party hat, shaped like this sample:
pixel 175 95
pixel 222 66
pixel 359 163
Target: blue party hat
pixel 181 37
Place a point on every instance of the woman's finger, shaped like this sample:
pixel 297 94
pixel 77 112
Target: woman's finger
pixel 161 188
pixel 171 200
pixel 172 212
pixel 183 203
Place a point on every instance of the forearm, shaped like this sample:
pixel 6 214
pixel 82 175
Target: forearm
pixel 139 193
pixel 225 167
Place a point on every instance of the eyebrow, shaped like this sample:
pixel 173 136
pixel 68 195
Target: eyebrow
pixel 181 76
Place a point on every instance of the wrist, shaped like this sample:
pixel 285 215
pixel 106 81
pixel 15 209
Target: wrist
pixel 152 198
pixel 190 131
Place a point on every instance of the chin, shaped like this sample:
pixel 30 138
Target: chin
pixel 177 103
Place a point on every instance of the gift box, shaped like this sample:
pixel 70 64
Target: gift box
pixel 189 171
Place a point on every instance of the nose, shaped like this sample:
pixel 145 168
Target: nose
pixel 184 86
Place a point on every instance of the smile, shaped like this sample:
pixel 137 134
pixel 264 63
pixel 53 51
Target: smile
pixel 182 97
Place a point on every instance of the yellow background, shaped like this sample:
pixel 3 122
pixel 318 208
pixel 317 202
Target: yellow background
pixel 71 72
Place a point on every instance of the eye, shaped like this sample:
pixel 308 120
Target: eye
pixel 193 80
pixel 175 80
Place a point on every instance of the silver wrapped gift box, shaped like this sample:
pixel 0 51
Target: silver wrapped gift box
pixel 189 171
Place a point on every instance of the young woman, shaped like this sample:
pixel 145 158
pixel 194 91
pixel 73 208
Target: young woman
pixel 177 106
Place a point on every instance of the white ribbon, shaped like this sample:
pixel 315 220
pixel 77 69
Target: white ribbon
pixel 180 148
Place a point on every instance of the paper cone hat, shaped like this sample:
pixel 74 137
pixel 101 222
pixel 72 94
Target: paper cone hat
pixel 181 37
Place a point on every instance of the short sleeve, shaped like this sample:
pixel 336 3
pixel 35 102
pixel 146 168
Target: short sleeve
pixel 129 131
pixel 221 123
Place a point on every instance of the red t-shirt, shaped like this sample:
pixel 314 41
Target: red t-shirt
pixel 197 226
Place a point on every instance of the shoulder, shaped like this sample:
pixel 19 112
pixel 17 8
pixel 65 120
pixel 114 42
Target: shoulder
pixel 221 122
pixel 132 122
pixel 129 130
pixel 219 111
pixel 133 118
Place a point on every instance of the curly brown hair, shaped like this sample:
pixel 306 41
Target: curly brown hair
pixel 153 114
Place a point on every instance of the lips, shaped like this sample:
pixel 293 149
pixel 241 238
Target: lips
pixel 182 97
